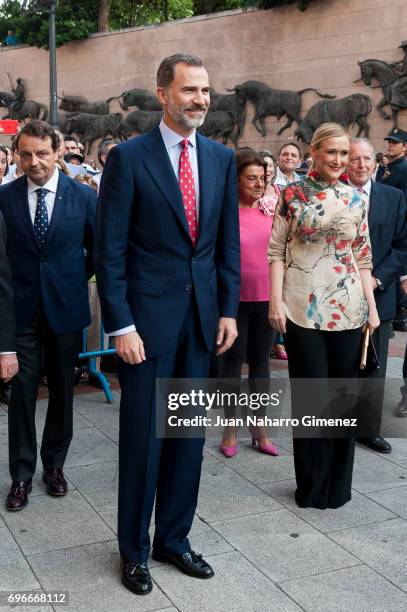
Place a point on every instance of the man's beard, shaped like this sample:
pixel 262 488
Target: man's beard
pixel 179 116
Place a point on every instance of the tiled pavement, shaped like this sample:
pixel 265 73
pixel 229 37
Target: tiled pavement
pixel 268 554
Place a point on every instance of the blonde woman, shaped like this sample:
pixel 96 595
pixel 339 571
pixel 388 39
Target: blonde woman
pixel 321 298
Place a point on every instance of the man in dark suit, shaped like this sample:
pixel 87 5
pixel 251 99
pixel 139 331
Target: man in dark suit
pixel 8 359
pixel 168 267
pixel 387 218
pixel 50 220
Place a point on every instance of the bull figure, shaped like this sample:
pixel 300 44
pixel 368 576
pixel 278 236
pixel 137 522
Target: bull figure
pixel 78 104
pixel 219 124
pixel 139 122
pixel 143 99
pixel 346 111
pixel 91 127
pixel 275 102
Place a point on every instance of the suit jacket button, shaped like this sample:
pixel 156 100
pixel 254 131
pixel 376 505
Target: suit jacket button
pixel 188 287
pixel 193 260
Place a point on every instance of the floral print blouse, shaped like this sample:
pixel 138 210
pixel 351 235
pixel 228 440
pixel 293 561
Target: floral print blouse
pixel 320 232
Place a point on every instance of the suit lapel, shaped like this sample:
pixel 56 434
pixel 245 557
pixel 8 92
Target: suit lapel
pixel 207 175
pixel 159 167
pixel 59 205
pixel 373 204
pixel 23 208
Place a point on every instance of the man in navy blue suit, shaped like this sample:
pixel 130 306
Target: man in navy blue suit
pixel 50 222
pixel 387 218
pixel 168 268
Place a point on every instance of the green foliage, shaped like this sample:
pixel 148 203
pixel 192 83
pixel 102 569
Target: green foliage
pixel 76 19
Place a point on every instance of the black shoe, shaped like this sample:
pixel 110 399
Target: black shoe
pixel 190 563
pixel 391 331
pixel 17 498
pixel 401 410
pixel 136 578
pixel 378 444
pixel 55 481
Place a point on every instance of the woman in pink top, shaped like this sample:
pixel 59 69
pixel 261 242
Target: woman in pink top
pixel 255 337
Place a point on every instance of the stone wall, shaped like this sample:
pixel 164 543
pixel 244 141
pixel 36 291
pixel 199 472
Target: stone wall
pixel 283 47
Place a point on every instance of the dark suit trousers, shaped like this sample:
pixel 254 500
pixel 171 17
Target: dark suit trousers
pixel 323 466
pixel 61 353
pixel 166 468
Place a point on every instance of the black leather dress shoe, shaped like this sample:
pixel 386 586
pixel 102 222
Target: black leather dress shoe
pixel 190 563
pixel 378 444
pixel 17 498
pixel 55 481
pixel 136 578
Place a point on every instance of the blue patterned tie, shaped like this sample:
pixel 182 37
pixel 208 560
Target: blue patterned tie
pixel 41 216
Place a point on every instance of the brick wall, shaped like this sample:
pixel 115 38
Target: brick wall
pixel 283 47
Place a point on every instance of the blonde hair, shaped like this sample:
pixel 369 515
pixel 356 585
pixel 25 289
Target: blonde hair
pixel 325 131
pixel 328 130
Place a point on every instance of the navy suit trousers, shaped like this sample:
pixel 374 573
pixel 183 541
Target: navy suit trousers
pixel 168 469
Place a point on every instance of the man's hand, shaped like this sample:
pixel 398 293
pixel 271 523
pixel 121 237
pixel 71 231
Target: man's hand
pixel 227 334
pixel 130 348
pixel 403 286
pixel 8 366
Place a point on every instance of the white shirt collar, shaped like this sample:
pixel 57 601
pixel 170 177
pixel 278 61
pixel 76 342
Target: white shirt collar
pixel 367 187
pixel 171 138
pixel 51 185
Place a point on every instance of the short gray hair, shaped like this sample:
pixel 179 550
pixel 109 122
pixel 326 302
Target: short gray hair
pixel 364 141
pixel 165 72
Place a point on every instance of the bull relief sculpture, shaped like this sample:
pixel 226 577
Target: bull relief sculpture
pixel 18 107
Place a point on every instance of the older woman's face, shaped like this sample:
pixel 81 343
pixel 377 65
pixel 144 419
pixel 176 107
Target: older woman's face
pixel 3 164
pixel 251 183
pixel 331 157
pixel 270 172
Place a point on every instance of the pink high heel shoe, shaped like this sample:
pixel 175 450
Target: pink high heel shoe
pixel 228 451
pixel 268 448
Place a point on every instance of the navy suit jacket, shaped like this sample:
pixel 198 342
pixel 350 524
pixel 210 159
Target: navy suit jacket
pixel 7 319
pixel 57 273
pixel 387 220
pixel 146 266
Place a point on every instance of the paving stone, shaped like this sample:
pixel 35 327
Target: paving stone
pixel 259 468
pixel 97 411
pixel 3 442
pixel 393 499
pixel 382 546
pixel 355 589
pixel 49 523
pixel 90 446
pixel 283 546
pixel 98 483
pixel 224 494
pixel 203 538
pixel 359 511
pixel 237 586
pixel 79 422
pixel 91 575
pixel 15 572
pixel 372 472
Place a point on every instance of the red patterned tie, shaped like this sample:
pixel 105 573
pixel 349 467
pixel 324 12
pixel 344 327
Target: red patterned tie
pixel 187 186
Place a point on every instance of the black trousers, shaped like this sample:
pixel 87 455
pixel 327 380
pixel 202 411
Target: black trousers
pixel 323 466
pixel 61 353
pixel 167 470
pixel 253 343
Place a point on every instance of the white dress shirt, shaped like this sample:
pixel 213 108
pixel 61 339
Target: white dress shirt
pixel 172 142
pixel 51 186
pixel 282 180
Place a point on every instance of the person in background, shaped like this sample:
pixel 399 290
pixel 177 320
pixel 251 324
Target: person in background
pixel 255 335
pixel 11 39
pixel 288 159
pixel 3 163
pixel 15 171
pixel 74 158
pixel 321 298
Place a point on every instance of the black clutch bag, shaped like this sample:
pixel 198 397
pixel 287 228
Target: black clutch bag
pixel 369 362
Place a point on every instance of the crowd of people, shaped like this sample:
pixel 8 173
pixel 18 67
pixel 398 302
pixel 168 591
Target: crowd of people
pixel 201 255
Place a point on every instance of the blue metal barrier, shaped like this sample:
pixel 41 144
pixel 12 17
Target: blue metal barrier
pixel 91 357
